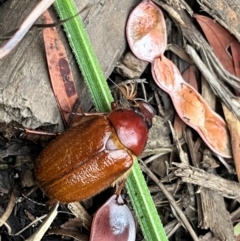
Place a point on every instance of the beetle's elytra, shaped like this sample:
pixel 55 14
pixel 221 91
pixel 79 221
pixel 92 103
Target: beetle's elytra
pixel 92 155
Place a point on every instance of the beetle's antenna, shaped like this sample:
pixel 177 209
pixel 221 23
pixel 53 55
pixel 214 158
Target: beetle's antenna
pixel 62 21
pixel 128 87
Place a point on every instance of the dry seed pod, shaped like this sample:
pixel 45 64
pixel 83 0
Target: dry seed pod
pixel 146 31
pixel 191 107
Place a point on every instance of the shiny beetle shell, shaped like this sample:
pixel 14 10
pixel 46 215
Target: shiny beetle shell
pixel 90 156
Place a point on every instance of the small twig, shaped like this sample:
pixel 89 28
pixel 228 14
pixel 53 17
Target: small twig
pixel 37 219
pixel 235 215
pixel 161 152
pixel 193 150
pixel 130 81
pixel 9 209
pixel 213 62
pixel 144 91
pixel 230 169
pixel 37 236
pixel 184 159
pixel 79 212
pixel 29 199
pixel 179 52
pixel 159 106
pixel 193 147
pixel 182 154
pixel 175 228
pixel 171 200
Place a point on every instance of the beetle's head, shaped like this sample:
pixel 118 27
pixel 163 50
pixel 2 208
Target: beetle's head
pixel 146 111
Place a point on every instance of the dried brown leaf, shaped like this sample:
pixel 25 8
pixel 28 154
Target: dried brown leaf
pixel 219 39
pixel 59 70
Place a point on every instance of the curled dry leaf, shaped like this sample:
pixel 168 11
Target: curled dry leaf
pixel 190 75
pixel 148 42
pixel 59 69
pixel 146 31
pixel 113 222
pixel 219 39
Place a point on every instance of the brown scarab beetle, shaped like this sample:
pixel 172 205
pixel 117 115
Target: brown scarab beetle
pixel 93 154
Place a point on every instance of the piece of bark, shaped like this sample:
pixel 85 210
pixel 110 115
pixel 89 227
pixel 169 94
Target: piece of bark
pixel 208 237
pixel 211 202
pixel 226 188
pixel 234 129
pixel 25 92
pixel 207 93
pixel 215 215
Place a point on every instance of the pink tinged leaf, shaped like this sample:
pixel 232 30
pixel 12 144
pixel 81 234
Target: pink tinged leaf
pixel 146 31
pixel 113 222
pixel 190 76
pixel 191 107
pixel 59 69
pixel 219 39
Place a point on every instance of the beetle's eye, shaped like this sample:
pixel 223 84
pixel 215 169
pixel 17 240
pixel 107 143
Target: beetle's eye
pixel 147 119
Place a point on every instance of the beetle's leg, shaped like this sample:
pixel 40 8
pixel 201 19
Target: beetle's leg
pixel 120 187
pixel 42 133
pixel 35 135
pixel 75 114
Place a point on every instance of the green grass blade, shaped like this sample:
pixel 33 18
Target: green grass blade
pixel 102 98
pixel 144 206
